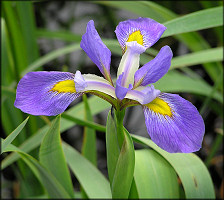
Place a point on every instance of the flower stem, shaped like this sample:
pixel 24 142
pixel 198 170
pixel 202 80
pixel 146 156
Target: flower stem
pixel 120 128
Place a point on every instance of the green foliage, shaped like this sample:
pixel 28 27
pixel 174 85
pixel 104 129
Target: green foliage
pixel 193 173
pixel 52 156
pixel 46 166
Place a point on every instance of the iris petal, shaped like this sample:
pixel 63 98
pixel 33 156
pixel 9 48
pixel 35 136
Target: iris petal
pixel 174 124
pixel 130 63
pixel 121 91
pixel 95 83
pixel 46 93
pixel 152 71
pixel 144 31
pixel 96 49
pixel 143 95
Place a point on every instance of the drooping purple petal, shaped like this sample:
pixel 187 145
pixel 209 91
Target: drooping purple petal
pixel 96 49
pixel 120 90
pixel 145 31
pixel 142 94
pixel 174 124
pixel 45 93
pixel 152 71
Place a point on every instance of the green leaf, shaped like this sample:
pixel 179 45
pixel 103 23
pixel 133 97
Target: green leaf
pixel 154 177
pixel 50 183
pixel 27 26
pixel 84 122
pixel 205 56
pixel 50 56
pixel 112 146
pixel 89 136
pixel 52 157
pixel 64 35
pixel 7 65
pixel 199 20
pixel 13 135
pixel 141 8
pixel 16 37
pixel 124 169
pixel 193 173
pixel 91 179
pixel 97 105
pixel 174 81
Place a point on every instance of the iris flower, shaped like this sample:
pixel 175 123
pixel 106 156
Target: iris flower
pixel 172 122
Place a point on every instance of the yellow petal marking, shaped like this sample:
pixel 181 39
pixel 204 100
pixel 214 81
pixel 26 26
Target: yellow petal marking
pixel 136 36
pixel 160 106
pixel 64 87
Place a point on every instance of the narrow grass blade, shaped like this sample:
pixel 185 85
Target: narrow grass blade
pixel 154 176
pixel 195 21
pixel 204 56
pixel 50 56
pixel 52 157
pixel 13 135
pixel 17 39
pixel 90 178
pixel 7 65
pixel 193 173
pixel 28 28
pixel 63 35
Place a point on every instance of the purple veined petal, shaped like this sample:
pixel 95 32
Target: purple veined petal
pixel 152 71
pixel 174 124
pixel 130 63
pixel 121 91
pixel 91 82
pixel 45 93
pixel 143 95
pixel 145 31
pixel 97 51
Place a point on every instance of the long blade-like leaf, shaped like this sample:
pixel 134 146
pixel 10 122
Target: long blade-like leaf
pixel 124 169
pixel 92 181
pixel 208 18
pixel 13 135
pixel 50 183
pixel 52 157
pixel 193 173
pixel 97 105
pixel 204 56
pixel 154 177
pixel 112 146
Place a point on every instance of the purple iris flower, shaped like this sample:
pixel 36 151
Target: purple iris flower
pixel 172 122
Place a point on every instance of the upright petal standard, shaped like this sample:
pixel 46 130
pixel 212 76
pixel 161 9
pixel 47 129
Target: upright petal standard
pixel 172 122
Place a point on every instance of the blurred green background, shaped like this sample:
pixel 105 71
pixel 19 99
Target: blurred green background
pixel 45 35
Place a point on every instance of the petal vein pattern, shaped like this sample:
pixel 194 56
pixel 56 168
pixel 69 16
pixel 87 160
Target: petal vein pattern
pixel 145 31
pixel 152 71
pixel 96 50
pixel 174 124
pixel 46 93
